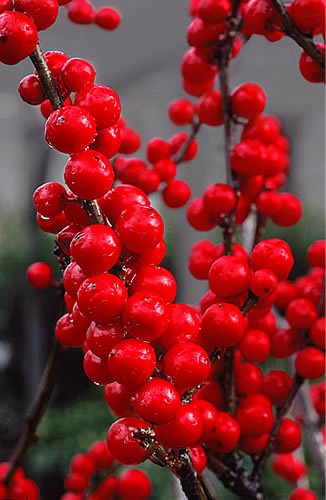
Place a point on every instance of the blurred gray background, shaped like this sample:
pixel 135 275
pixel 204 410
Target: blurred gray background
pixel 141 62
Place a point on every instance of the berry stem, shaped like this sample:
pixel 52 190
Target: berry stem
pixel 282 411
pixel 179 157
pixel 48 83
pixel 34 416
pixel 260 228
pixel 291 30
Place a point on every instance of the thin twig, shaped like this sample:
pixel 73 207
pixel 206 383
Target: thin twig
pixel 282 411
pixel 180 155
pixel 260 227
pixel 42 398
pixel 292 31
pixel 48 82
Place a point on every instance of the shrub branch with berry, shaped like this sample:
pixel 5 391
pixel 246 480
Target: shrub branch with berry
pixel 186 382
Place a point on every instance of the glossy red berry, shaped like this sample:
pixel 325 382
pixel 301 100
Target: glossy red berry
pixel 165 168
pixel 301 314
pixel 30 90
pixel 247 158
pixel 18 37
pixel 195 69
pixel 82 464
pixel 157 401
pixel 122 443
pixel 255 416
pixel 102 338
pixel 96 369
pixel 117 397
pixel 285 342
pixel 198 217
pixel 70 129
pixel 49 199
pixel 81 12
pixel 213 11
pixel 308 16
pixel 276 386
pixel 43 14
pixel 310 69
pixel 176 193
pixel 187 364
pixel 107 18
pixel 183 431
pixel 199 458
pixel 288 436
pixel 157 280
pixel 229 276
pixel 210 109
pixel 223 325
pixel 249 379
pixel 255 346
pixel 73 277
pixel 226 434
pixel 95 249
pixel 102 102
pixel 219 199
pixel 76 73
pixel 273 254
pixel 131 361
pixel 120 198
pixel 101 298
pixel 145 315
pixel 183 325
pixel 89 174
pixel 263 282
pixel 248 100
pixel 139 228
pixel 100 455
pixel 290 211
pixel 39 274
pixel 310 363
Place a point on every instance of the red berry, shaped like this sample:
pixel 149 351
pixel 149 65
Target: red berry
pixel 49 199
pixel 165 168
pixel 43 13
pixel 102 338
pixel 76 73
pixel 121 442
pixel 310 69
pixel 183 325
pixel 223 325
pixel 247 157
pixel 195 69
pixel 308 16
pixel 249 379
pixel 82 464
pixel 100 455
pixel 120 198
pixel 198 217
pixel 229 276
pixel 181 111
pixel 117 397
pixel 301 314
pixel 202 256
pixel 18 37
pixel 157 401
pixel 226 434
pixel 130 141
pixel 210 109
pixel 317 253
pixel 255 416
pixel 198 458
pixel 89 174
pixel 177 141
pixel 134 483
pixel 219 199
pixel 145 316
pixel 268 203
pixel 290 211
pixel 310 363
pixel 208 414
pixel 39 274
pixel 96 249
pixel 183 431
pixel 70 129
pixel 285 342
pixel 288 436
pixel 302 494
pixel 273 254
pixel 276 386
pixel 255 346
pixel 102 297
pixel 139 228
pixel 201 34
pixel 73 277
pixel 107 18
pixel 81 11
pixel 263 282
pixel 96 369
pixel 68 333
pixel 176 193
pixel 102 102
pixel 157 280
pixel 248 100
pixel 318 332
pixel 187 364
pixel 285 293
pixel 31 90
pixel 131 361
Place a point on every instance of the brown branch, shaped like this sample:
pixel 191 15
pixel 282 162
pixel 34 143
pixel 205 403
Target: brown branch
pixel 180 155
pixel 260 228
pixel 282 411
pixel 41 401
pixel 249 304
pixel 292 31
pixel 229 382
pixel 235 480
pixel 48 82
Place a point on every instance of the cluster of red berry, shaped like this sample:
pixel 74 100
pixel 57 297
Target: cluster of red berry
pixel 98 466
pixel 20 488
pixel 177 377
